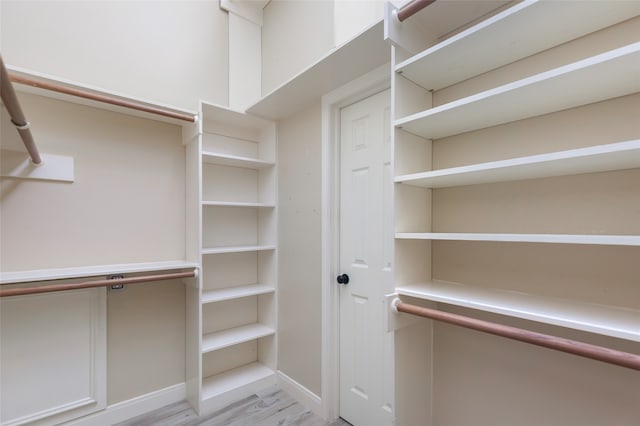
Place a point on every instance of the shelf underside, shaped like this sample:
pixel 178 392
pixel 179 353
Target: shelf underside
pixel 212 296
pixel 615 240
pixel 254 374
pixel 609 75
pixel 484 47
pixel 223 339
pixel 606 320
pixel 601 158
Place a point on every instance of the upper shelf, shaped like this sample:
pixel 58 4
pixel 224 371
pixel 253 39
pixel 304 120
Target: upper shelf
pixel 616 72
pixel 484 47
pixel 235 161
pixel 74 86
pixel 91 271
pixel 594 239
pixel 600 158
pixel 362 54
pixel 601 319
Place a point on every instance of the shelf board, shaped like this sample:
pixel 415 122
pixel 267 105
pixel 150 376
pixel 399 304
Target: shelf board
pixel 72 85
pixel 237 249
pixel 222 294
pixel 231 117
pixel 223 339
pixel 606 320
pixel 616 73
pixel 484 47
pixel 91 271
pixel 237 204
pixel 235 161
pixel 250 375
pixel 600 158
pixel 363 53
pixel 615 240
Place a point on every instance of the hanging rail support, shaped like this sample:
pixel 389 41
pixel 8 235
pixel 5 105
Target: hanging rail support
pixel 92 284
pixel 412 8
pixel 11 103
pixel 599 353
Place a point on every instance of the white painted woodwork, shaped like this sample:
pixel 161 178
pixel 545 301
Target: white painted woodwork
pixel 234 160
pixel 366 256
pixel 212 296
pixel 237 204
pixel 616 73
pixel 245 60
pixel 616 240
pixel 253 376
pixel 356 57
pixel 53 360
pixel 484 47
pixel 222 339
pixel 236 249
pixel 600 158
pixel 18 165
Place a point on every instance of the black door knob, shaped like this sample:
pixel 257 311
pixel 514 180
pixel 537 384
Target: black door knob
pixel 343 279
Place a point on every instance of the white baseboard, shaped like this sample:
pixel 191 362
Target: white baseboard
pixel 124 410
pixel 303 395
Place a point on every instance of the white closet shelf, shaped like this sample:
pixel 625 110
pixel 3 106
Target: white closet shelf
pixel 615 240
pixel 612 321
pixel 600 158
pixel 608 75
pixel 212 296
pixel 237 249
pixel 235 161
pixel 223 339
pixel 237 204
pixel 484 47
pixel 236 380
pixel 92 271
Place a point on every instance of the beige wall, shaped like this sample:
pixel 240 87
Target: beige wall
pixel 173 52
pixel 299 239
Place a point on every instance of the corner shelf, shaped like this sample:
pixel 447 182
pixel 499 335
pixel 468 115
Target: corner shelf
pixel 484 47
pixel 222 339
pixel 600 158
pixel 614 240
pixel 595 318
pixel 615 71
pixel 212 296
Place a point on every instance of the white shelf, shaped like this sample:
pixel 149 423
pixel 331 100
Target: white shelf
pixel 212 296
pixel 223 339
pixel 608 75
pixel 91 271
pixel 237 249
pixel 363 53
pixel 595 318
pixel 601 158
pixel 254 374
pixel 615 240
pixel 484 47
pixel 237 204
pixel 235 161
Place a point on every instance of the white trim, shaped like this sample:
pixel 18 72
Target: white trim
pixel 300 393
pixel 125 410
pixel 369 84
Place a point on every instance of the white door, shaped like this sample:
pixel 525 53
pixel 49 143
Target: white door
pixel 366 238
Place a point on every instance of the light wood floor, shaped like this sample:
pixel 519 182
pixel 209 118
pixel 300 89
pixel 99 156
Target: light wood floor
pixel 272 407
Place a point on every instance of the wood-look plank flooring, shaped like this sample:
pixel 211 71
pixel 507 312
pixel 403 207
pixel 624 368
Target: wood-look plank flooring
pixel 271 407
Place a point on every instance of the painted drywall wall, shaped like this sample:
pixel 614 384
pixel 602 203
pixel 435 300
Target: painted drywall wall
pixel 295 34
pixel 299 243
pixel 173 52
pixel 126 205
pixel 352 16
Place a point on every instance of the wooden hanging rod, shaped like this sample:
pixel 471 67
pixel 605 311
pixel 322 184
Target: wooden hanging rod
pixel 101 98
pixel 412 8
pixel 599 353
pixel 11 103
pixel 92 284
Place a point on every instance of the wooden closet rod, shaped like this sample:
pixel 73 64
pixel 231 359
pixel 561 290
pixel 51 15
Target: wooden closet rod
pixel 599 353
pixel 91 284
pixel 10 101
pixel 412 8
pixel 101 98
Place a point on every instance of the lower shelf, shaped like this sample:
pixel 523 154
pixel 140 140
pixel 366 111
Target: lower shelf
pixel 245 378
pixel 219 295
pixel 223 339
pixel 600 319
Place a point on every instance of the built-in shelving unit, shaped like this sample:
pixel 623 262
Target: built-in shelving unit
pixel 232 229
pixel 481 145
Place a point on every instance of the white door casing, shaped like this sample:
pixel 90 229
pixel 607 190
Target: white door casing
pixel 366 253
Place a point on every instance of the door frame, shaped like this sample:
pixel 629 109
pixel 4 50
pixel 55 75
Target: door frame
pixel 361 88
